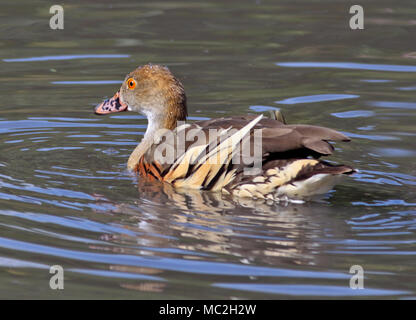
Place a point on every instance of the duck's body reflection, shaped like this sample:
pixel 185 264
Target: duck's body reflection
pixel 204 226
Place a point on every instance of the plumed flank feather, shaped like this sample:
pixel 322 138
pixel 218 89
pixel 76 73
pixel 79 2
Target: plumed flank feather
pixel 180 168
pixel 212 145
pixel 225 179
pixel 208 166
pixel 231 142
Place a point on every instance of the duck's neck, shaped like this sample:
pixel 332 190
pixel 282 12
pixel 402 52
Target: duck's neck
pixel 155 122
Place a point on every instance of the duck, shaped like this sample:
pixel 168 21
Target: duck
pixel 246 156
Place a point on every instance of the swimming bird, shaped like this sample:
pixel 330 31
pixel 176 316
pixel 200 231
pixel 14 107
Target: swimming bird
pixel 245 156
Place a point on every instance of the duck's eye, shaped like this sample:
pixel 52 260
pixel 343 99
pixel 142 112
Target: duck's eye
pixel 131 83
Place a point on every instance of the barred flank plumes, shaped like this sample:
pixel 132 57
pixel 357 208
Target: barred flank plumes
pixel 290 158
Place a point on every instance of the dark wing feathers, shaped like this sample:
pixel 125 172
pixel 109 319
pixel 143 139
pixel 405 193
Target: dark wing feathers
pixel 278 137
pixel 293 137
pixel 317 145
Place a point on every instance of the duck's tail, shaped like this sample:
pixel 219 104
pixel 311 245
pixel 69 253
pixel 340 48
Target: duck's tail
pixel 296 179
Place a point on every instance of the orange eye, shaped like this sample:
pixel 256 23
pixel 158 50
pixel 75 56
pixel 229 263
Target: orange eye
pixel 131 83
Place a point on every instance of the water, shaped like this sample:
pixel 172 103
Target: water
pixel 66 198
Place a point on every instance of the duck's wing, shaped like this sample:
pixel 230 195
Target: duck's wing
pixel 203 154
pixel 283 141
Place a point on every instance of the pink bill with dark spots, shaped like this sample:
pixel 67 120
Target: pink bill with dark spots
pixel 111 105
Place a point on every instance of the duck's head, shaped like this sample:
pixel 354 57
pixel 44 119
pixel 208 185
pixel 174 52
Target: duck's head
pixel 153 91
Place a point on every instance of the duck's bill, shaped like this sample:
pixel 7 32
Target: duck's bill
pixel 111 105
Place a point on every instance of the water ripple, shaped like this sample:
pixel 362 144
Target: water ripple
pixel 317 98
pixel 309 290
pixel 353 114
pixel 181 265
pixel 69 57
pixel 393 104
pixel 349 65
